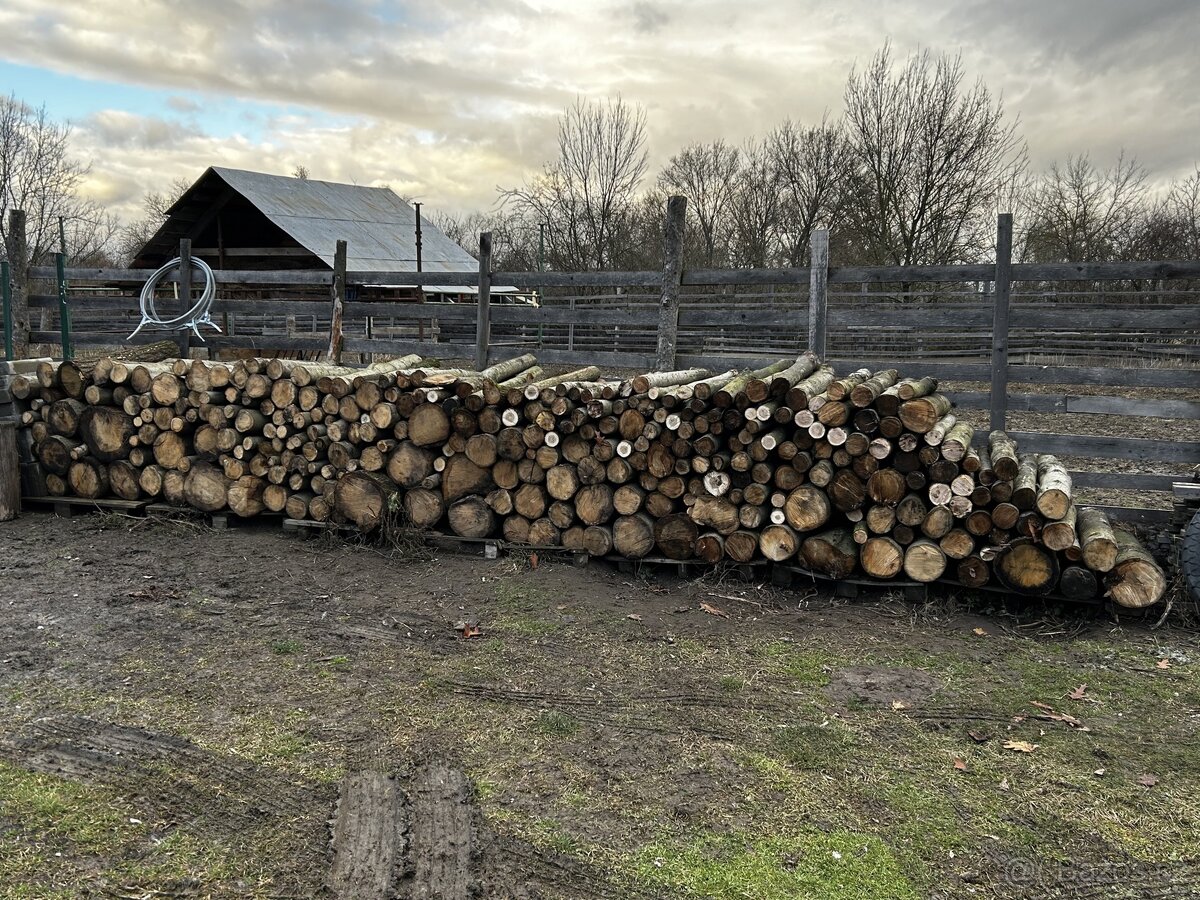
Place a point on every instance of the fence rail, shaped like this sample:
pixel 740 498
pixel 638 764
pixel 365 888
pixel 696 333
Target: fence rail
pixel 1126 324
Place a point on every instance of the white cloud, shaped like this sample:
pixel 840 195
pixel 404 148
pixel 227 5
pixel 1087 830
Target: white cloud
pixel 446 101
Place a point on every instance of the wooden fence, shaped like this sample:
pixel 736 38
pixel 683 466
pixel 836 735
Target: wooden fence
pixel 721 318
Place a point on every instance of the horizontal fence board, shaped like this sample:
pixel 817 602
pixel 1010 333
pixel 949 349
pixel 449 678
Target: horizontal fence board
pixel 616 359
pixel 1126 481
pixel 448 350
pixel 411 312
pixel 103 338
pixel 693 277
pixel 909 274
pixel 1117 377
pixel 224 276
pixel 953 371
pixel 1088 405
pixel 1087 445
pixel 263 342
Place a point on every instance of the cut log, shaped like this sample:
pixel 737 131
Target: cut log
pixel 778 543
pixel 1027 568
pixel 1003 452
pixel 633 536
pixel 462 477
pixel 245 496
pixel 833 553
pixel 1097 540
pixel 676 536
pixel 88 477
pixel 1059 534
pixel 428 425
pixel 123 479
pixel 921 414
pixel 717 513
pixel 1078 583
pixel 807 508
pixel 1054 488
pixel 364 499
pixel 1136 580
pixel 973 572
pixel 204 487
pixel 471 517
pixel 881 557
pixel 423 508
pixel 924 561
pixel 106 431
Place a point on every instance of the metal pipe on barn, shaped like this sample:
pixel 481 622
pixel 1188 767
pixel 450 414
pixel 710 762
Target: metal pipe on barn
pixel 417 207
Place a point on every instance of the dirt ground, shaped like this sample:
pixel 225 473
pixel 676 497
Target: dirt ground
pixel 190 713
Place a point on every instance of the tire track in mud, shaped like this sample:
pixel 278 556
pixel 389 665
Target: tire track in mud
pixel 419 836
pixel 218 797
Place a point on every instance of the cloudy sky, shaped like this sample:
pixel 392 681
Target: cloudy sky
pixel 446 100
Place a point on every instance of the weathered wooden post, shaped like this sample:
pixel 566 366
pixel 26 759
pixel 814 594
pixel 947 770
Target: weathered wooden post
pixel 338 288
pixel 6 289
pixel 184 340
pixel 18 259
pixel 483 322
pixel 818 290
pixel 668 307
pixel 998 404
pixel 64 310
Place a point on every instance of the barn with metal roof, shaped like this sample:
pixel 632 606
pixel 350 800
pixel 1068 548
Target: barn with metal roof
pixel 249 220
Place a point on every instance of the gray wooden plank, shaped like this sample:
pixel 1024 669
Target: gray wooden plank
pixel 1126 481
pixel 1146 377
pixel 266 342
pixel 1016 402
pixel 1102 447
pixel 797 276
pixel 1127 406
pixel 225 276
pixel 1137 515
pixel 439 350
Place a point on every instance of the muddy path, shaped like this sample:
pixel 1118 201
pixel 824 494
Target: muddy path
pixel 241 713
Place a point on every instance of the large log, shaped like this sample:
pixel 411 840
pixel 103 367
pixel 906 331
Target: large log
pixel 1136 580
pixel 676 536
pixel 633 536
pixel 924 561
pixel 470 516
pixel 364 499
pixel 205 488
pixel 881 557
pixel 106 431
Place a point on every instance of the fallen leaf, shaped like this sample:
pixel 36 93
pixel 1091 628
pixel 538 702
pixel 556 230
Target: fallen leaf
pixel 1020 746
pixel 1080 693
pixel 900 704
pixel 634 616
pixel 960 764
pixel 979 737
pixel 1099 773
pixel 533 561
pixel 1003 784
pixel 980 632
pixel 714 610
pixel 561 606
pixel 1147 780
pixel 1164 664
pixel 470 631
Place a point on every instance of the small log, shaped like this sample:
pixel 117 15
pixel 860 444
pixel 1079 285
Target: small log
pixel 676 536
pixel 1097 540
pixel 245 496
pixel 833 553
pixel 973 572
pixel 778 543
pixel 1054 488
pixel 1027 568
pixel 1078 583
pixel 205 487
pixel 423 508
pixel 1003 452
pixel 807 508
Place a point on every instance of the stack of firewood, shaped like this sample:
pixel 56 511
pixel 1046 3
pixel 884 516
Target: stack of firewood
pixel 868 472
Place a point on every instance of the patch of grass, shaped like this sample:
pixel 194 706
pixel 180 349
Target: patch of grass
pixel 46 815
pixel 519 596
pixel 527 626
pixel 813 747
pixel 286 647
pixel 731 684
pixel 557 723
pixel 837 865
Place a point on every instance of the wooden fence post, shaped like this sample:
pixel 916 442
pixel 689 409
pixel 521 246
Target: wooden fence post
pixel 185 294
pixel 18 259
pixel 483 322
pixel 998 402
pixel 6 288
pixel 818 291
pixel 668 308
pixel 338 289
pixel 64 310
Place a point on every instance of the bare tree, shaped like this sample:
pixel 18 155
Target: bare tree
pixel 754 208
pixel 136 234
pixel 300 172
pixel 705 174
pixel 1081 212
pixel 586 194
pixel 814 165
pixel 931 160
pixel 1182 205
pixel 39 175
pixel 514 240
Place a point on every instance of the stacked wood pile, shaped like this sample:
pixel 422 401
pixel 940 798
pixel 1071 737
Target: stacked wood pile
pixel 866 472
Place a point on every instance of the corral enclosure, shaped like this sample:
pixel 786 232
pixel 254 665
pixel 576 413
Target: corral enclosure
pixel 1103 359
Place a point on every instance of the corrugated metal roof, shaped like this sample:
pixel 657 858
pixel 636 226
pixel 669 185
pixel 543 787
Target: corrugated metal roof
pixel 379 228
